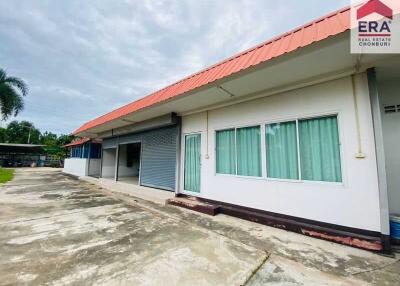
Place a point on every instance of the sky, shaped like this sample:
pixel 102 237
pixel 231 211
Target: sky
pixel 82 59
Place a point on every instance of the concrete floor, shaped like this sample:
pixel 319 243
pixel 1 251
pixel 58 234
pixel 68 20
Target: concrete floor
pixel 57 230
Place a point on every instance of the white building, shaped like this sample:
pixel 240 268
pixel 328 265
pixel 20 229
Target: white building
pixel 84 158
pixel 296 133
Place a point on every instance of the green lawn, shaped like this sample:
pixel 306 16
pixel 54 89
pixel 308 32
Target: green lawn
pixel 6 175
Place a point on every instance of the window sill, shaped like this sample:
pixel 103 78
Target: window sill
pixel 239 177
pixel 341 184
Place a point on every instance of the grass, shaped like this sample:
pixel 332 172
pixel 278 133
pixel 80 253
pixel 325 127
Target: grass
pixel 6 175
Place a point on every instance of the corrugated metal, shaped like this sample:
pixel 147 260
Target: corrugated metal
pixel 332 24
pixel 110 143
pixel 158 157
pixel 82 141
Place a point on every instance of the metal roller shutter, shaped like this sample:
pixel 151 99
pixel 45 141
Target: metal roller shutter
pixel 110 143
pixel 158 165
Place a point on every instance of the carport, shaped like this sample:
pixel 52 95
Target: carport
pixel 21 155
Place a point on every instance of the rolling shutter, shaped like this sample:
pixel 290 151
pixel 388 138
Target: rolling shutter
pixel 158 164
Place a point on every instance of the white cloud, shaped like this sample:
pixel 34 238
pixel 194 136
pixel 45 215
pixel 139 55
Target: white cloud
pixel 81 58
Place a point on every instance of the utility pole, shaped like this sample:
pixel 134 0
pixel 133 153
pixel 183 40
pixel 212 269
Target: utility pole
pixel 29 134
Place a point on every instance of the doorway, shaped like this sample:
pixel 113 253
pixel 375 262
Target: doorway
pixel 129 163
pixel 108 163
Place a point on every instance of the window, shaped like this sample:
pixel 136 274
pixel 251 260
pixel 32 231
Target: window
pixel 320 149
pixel 248 149
pixel 226 152
pixel 303 149
pixel 312 142
pixel 238 151
pixel 282 154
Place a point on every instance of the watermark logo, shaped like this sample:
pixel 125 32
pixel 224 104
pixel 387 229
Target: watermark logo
pixel 375 26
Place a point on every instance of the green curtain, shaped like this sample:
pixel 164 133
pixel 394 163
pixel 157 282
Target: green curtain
pixel 281 144
pixel 225 149
pixel 248 151
pixel 192 163
pixel 320 149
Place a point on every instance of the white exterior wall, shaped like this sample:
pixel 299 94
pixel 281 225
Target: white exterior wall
pixel 389 92
pixel 76 166
pixel 354 203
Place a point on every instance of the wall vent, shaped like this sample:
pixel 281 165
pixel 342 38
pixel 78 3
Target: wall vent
pixel 393 108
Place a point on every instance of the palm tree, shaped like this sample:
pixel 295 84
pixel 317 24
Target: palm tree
pixel 12 90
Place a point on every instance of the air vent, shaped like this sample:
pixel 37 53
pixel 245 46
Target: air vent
pixel 392 108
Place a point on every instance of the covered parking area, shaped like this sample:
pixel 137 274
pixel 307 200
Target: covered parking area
pixel 21 155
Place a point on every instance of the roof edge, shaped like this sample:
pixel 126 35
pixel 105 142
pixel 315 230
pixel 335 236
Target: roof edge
pixel 95 122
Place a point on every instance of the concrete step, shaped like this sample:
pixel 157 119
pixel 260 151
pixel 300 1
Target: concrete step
pixel 194 204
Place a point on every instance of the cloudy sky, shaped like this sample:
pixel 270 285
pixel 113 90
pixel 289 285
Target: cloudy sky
pixel 82 59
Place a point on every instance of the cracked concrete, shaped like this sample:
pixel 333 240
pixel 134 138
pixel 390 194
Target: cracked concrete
pixel 59 231
pixel 56 230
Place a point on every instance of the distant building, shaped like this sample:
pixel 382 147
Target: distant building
pixel 21 155
pixel 84 157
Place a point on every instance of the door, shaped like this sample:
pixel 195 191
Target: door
pixel 192 163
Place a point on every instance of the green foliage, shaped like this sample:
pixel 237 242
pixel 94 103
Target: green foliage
pixel 64 139
pixel 3 135
pixel 22 132
pixel 6 175
pixel 49 139
pixel 12 91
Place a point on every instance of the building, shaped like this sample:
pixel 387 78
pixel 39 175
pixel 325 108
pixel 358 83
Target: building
pixel 21 155
pixel 296 133
pixel 84 157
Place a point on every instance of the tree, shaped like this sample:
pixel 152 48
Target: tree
pixel 22 132
pixel 12 91
pixel 3 135
pixel 49 139
pixel 64 139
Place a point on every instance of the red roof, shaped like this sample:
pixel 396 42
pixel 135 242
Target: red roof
pixel 320 29
pixel 81 141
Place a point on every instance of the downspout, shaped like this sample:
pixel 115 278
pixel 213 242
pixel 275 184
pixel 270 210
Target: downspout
pixel 116 163
pixel 359 153
pixel 101 162
pixel 207 156
pixel 88 164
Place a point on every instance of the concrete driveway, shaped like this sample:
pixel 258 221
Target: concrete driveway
pixel 56 230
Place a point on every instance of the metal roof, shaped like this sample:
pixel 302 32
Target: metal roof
pixel 81 141
pixel 21 145
pixel 318 30
pixel 12 148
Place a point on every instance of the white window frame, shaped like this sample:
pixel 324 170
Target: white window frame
pixel 297 120
pixel 199 194
pixel 264 162
pixel 236 157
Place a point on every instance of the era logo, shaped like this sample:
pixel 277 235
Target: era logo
pixel 373 27
pixel 371 7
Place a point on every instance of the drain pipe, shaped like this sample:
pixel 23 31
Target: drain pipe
pixel 359 154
